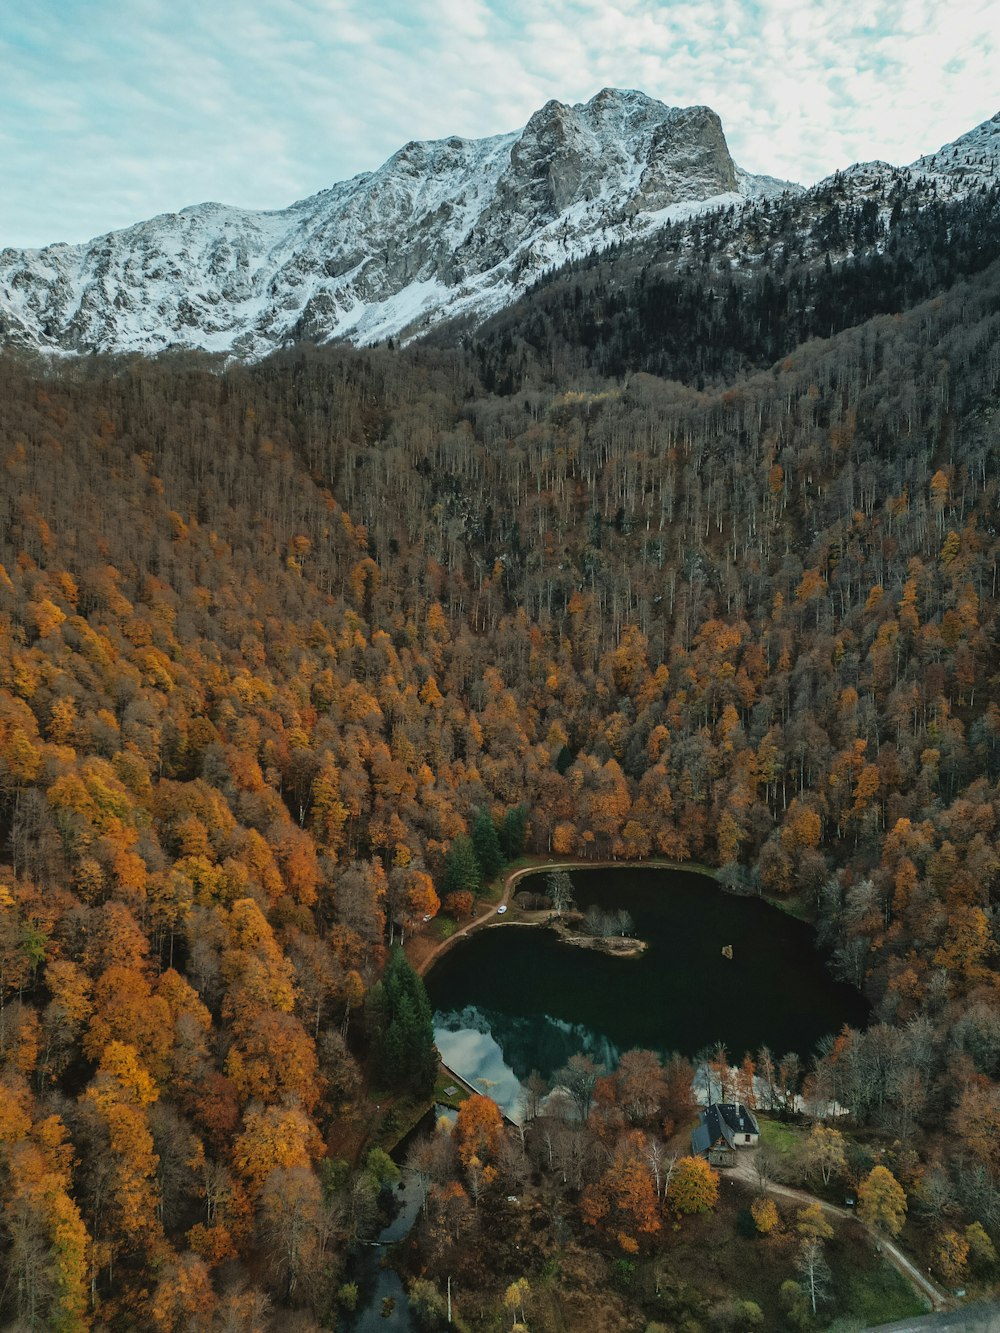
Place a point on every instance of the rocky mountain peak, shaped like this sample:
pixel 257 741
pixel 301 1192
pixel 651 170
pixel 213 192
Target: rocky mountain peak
pixel 450 227
pixel 552 158
pixel 662 155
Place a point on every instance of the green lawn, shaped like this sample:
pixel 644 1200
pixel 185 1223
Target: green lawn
pixel 395 1121
pixel 398 1116
pixel 781 1136
pixel 445 1080
pixel 881 1294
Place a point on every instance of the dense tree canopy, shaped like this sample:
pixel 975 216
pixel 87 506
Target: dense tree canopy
pixel 288 652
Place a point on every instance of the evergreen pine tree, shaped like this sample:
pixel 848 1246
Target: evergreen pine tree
pixel 512 832
pixel 487 845
pixel 400 1017
pixel 461 868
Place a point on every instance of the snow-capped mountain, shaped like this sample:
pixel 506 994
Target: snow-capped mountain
pixel 969 161
pixel 446 228
pixel 454 227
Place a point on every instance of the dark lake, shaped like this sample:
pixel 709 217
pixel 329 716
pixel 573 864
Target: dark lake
pixel 515 998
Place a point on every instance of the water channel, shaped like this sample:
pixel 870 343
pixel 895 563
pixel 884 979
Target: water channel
pixel 517 998
pixel 383 1305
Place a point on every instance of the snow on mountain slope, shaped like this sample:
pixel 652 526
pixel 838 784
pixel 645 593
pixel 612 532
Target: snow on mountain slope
pixel 450 227
pixel 442 229
pixel 970 161
pixel 953 171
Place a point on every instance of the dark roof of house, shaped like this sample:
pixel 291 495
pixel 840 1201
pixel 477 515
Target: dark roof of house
pixel 722 1120
pixel 701 1138
pixel 739 1118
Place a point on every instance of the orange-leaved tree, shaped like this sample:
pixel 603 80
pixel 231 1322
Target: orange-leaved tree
pixel 694 1187
pixel 478 1129
pixel 624 1199
pixel 882 1201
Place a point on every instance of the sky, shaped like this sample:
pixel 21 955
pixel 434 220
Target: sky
pixel 112 111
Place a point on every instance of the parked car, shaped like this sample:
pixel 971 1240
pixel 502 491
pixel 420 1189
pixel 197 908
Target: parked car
pixel 501 909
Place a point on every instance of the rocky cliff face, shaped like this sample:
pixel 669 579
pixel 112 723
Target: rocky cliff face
pixel 450 227
pixel 455 227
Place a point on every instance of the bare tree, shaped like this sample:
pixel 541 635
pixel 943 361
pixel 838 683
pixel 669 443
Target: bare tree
pixel 535 1089
pixel 814 1273
pixel 560 887
pixel 661 1165
pixel 579 1077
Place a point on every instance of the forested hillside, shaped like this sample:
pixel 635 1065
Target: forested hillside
pixel 709 299
pixel 272 638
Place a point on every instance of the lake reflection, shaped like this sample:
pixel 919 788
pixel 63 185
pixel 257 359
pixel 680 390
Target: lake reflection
pixel 510 1000
pixel 495 1051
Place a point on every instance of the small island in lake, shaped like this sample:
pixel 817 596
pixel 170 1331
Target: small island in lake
pixel 599 928
pixel 574 928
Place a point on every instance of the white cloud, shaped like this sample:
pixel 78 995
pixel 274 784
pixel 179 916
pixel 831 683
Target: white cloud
pixel 147 107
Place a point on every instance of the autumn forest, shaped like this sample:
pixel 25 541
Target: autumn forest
pixel 276 639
